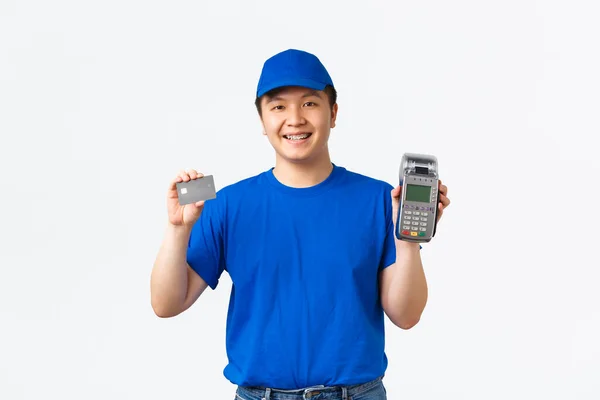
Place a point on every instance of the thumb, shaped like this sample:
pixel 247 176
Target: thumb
pixel 395 193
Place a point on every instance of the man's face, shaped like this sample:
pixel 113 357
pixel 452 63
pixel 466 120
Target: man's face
pixel 297 122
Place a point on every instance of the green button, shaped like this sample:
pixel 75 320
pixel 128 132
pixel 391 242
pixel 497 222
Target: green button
pixel 421 233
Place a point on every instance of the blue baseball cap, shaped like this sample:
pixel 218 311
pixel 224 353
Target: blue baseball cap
pixel 293 68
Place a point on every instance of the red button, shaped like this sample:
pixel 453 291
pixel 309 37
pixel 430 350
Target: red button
pixel 405 232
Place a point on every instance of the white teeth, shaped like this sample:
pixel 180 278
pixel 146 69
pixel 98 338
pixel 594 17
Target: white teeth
pixel 297 137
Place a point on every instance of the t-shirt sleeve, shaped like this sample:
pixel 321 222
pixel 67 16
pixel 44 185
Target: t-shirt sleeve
pixel 389 242
pixel 205 254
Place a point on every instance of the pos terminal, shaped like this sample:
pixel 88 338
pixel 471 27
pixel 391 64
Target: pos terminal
pixel 417 212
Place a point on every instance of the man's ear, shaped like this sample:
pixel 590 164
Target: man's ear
pixel 262 125
pixel 334 111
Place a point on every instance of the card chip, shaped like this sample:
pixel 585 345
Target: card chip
pixel 183 190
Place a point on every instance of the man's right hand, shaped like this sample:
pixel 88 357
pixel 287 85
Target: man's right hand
pixel 188 214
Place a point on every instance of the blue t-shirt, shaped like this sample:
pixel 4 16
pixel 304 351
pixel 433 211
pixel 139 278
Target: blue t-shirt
pixel 304 263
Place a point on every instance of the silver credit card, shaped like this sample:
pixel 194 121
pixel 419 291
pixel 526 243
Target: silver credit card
pixel 196 190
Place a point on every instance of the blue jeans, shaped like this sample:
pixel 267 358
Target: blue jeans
pixel 373 390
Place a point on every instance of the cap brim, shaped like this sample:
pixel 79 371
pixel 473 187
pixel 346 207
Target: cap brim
pixel 307 83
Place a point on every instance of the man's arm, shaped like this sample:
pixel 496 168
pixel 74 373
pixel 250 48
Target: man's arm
pixel 403 284
pixel 404 287
pixel 174 286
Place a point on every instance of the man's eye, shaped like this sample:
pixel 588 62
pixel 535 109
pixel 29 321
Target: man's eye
pixel 309 103
pixel 278 108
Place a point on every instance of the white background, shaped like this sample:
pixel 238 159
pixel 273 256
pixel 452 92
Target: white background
pixel 101 103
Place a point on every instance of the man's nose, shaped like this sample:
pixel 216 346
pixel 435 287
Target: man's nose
pixel 295 116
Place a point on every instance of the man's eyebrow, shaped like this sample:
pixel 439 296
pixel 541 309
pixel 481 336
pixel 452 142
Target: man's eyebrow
pixel 312 93
pixel 307 94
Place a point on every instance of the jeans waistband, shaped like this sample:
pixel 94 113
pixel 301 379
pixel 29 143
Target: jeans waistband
pixel 266 393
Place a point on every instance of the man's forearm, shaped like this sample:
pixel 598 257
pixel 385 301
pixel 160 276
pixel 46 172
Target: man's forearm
pixel 169 279
pixel 405 286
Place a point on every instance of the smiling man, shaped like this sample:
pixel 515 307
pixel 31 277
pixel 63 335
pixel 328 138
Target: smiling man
pixel 310 249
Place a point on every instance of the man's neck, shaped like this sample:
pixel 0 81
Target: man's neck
pixel 302 175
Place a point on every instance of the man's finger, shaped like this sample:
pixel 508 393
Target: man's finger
pixel 444 200
pixel 442 188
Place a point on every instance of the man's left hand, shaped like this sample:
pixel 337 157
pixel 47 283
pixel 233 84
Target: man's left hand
pixel 444 200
